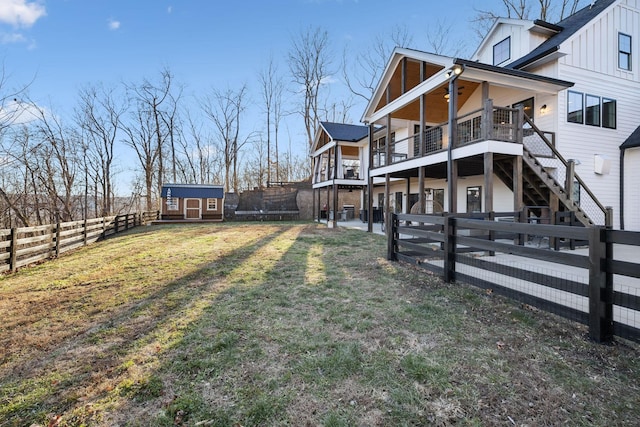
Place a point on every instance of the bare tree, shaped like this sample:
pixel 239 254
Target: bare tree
pixel 171 121
pixel 225 109
pixel 271 89
pixel 199 160
pixel 151 98
pixel 362 75
pixel 60 161
pixel 310 66
pixel 440 38
pixel 139 131
pixel 99 115
pixel 522 9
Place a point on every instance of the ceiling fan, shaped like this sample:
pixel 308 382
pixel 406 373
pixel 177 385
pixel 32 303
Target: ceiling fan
pixel 446 92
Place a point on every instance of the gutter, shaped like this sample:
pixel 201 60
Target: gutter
pixel 622 151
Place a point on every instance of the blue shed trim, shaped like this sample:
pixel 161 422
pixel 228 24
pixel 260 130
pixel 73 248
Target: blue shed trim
pixel 193 191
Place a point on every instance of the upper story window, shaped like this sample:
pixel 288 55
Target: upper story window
pixel 502 51
pixel 591 110
pixel 608 113
pixel 624 51
pixel 575 108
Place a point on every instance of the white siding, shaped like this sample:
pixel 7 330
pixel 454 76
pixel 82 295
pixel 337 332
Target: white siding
pixel 595 48
pixel 592 64
pixel 521 42
pixel 632 190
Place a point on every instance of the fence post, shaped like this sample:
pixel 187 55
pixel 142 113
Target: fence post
pixel 450 249
pixel 85 231
pixel 600 287
pixel 58 239
pixel 126 221
pixel 104 227
pixel 391 236
pixel 115 224
pixel 492 234
pixel 13 250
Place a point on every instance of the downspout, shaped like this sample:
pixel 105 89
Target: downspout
pixel 453 74
pixel 622 188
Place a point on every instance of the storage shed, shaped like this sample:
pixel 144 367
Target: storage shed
pixel 192 202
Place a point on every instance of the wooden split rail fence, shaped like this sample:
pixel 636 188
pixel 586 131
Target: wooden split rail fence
pixel 517 260
pixel 22 246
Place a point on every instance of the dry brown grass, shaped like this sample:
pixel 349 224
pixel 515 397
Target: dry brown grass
pixel 287 324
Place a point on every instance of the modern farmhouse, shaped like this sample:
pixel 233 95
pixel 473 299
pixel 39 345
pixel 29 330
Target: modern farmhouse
pixel 541 119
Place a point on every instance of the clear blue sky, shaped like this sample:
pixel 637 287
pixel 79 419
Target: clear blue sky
pixel 66 44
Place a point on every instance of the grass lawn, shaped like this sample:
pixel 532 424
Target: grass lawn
pixel 287 324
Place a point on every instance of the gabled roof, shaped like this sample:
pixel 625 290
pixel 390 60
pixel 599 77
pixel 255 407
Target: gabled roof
pixel 195 191
pixel 396 56
pixel 570 26
pixel 632 141
pixel 345 132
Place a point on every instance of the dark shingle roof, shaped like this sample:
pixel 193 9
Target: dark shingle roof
pixel 633 140
pixel 569 26
pixel 345 132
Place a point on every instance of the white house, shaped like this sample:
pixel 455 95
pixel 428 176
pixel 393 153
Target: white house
pixel 597 50
pixel 540 119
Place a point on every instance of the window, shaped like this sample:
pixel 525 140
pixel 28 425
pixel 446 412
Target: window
pixel 502 51
pixel 212 204
pixel 592 116
pixel 575 109
pixel 608 113
pixel 624 51
pixel 591 110
pixel 172 203
pixel 474 199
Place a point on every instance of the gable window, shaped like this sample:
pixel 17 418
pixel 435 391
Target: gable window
pixel 624 51
pixel 592 116
pixel 212 204
pixel 608 113
pixel 502 51
pixel 575 108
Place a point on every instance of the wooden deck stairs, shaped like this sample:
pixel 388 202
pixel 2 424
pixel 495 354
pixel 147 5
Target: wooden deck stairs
pixel 539 183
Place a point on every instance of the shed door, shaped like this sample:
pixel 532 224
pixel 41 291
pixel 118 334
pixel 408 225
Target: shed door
pixel 192 208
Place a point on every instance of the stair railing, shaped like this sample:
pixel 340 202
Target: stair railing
pixel 551 158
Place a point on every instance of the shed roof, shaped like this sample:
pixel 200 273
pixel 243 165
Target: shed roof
pixel 569 26
pixel 632 141
pixel 195 191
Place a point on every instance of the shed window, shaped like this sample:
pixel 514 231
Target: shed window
pixel 212 204
pixel 502 51
pixel 624 51
pixel 172 202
